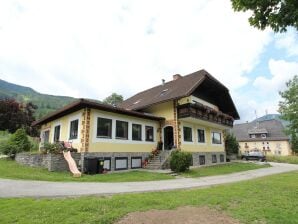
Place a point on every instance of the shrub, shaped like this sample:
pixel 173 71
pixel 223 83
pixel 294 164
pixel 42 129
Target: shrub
pixel 18 142
pixel 53 148
pixel 180 161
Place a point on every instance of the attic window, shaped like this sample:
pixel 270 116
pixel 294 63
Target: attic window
pixel 163 92
pixel 137 102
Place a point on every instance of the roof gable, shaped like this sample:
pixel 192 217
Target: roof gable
pixel 274 129
pixel 181 87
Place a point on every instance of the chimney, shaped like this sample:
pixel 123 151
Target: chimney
pixel 177 76
pixel 163 81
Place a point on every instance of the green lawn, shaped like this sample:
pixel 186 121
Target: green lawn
pixel 271 199
pixel 283 159
pixel 12 170
pixel 223 169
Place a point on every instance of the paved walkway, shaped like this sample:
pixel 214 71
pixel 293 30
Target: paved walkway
pixel 22 188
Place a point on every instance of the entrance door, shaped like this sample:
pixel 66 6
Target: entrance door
pixel 168 137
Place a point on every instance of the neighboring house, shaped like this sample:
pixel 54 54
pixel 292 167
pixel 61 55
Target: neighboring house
pixel 265 136
pixel 189 113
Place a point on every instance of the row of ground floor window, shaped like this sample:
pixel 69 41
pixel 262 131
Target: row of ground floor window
pixel 133 131
pixel 122 162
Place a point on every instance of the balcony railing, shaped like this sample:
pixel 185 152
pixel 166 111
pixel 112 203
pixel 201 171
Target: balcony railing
pixel 205 113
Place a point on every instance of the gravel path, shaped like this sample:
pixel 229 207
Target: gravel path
pixel 25 188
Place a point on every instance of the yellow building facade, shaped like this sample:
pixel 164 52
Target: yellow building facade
pixel 189 113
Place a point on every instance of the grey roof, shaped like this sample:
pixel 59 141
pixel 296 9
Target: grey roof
pixel 257 130
pixel 274 128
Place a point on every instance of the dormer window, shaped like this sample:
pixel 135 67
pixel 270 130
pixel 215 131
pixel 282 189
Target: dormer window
pixel 263 135
pixel 253 136
pixel 137 102
pixel 163 92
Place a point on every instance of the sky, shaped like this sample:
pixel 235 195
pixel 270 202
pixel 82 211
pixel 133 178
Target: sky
pixel 90 49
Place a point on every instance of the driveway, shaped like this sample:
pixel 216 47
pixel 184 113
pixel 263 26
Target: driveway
pixel 24 188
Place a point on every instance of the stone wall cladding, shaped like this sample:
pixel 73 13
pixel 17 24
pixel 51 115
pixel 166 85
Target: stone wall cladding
pixel 52 162
pixel 113 155
pixel 208 158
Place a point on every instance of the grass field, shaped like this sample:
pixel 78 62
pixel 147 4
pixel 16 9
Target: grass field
pixel 12 170
pixel 271 199
pixel 223 169
pixel 283 159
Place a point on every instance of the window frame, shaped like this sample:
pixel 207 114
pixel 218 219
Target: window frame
pixel 132 132
pixel 55 134
pixel 191 136
pixel 204 132
pixel 125 130
pixel 212 138
pixel 201 159
pixel 110 132
pixel 121 158
pixel 71 137
pixel 146 136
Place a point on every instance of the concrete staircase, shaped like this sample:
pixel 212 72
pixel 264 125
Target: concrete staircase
pixel 158 161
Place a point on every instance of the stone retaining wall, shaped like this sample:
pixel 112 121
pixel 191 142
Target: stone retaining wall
pixel 56 162
pixel 52 162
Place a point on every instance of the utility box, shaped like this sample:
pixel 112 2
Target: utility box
pixel 90 165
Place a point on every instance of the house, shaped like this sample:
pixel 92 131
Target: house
pixel 266 136
pixel 189 113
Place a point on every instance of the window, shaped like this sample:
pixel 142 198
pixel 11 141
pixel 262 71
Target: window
pixel 201 136
pixel 136 162
pixel 57 133
pixel 104 128
pixel 121 163
pixel 263 135
pixel 149 133
pixel 222 158
pixel 214 159
pixel 137 132
pixel 74 126
pixel 252 136
pixel 202 160
pixel 107 163
pixel 216 138
pixel 46 136
pixel 187 134
pixel 122 129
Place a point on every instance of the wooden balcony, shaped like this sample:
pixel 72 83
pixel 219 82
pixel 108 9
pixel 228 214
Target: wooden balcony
pixel 202 112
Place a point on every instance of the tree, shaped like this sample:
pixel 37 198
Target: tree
pixel 18 142
pixel 277 14
pixel 231 144
pixel 15 115
pixel 288 108
pixel 113 99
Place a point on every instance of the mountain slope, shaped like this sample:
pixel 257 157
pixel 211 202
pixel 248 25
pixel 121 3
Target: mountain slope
pixel 46 103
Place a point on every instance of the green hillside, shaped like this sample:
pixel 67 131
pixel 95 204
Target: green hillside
pixel 46 103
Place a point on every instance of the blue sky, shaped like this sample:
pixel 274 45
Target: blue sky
pixel 93 48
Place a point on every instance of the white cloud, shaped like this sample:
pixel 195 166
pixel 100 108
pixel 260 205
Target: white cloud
pixel 93 48
pixel 289 42
pixel 281 71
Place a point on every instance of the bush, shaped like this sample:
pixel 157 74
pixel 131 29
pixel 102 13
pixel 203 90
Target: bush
pixel 53 148
pixel 18 142
pixel 180 161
